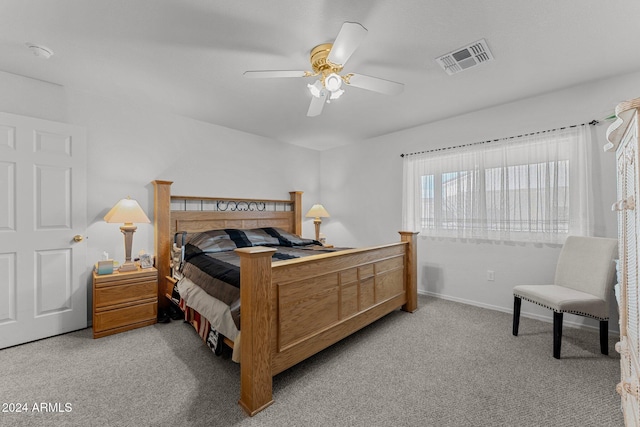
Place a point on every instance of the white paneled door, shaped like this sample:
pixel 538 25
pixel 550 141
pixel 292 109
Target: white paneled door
pixel 43 283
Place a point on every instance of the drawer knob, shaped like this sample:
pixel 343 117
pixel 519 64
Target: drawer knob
pixel 78 238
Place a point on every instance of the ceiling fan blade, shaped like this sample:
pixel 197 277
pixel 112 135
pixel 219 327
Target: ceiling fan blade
pixel 274 74
pixel 375 84
pixel 349 38
pixel 317 104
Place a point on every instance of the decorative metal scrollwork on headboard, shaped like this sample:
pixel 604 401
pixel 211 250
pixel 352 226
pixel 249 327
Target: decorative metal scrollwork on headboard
pixel 211 204
pixel 233 206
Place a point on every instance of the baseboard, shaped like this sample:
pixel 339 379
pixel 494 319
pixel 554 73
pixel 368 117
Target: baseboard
pixel 547 319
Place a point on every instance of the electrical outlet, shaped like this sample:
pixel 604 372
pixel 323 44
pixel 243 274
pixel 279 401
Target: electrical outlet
pixel 490 275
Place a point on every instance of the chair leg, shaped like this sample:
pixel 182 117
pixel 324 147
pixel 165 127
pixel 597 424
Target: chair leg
pixel 517 302
pixel 557 334
pixel 604 337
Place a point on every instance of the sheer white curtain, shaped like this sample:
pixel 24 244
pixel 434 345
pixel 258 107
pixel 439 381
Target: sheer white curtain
pixel 531 188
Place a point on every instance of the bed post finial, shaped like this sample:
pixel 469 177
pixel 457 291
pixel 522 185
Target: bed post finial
pixel 162 233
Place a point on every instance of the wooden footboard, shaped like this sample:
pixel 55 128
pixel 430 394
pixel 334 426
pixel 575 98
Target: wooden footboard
pixel 296 308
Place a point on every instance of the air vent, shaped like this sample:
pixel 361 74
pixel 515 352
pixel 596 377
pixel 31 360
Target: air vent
pixel 465 57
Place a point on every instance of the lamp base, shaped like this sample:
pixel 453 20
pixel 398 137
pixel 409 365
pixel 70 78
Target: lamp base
pixel 128 266
pixel 317 223
pixel 128 229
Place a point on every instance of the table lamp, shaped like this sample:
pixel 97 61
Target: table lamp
pixel 317 211
pixel 127 211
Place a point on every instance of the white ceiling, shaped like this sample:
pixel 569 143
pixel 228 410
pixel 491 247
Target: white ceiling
pixel 188 56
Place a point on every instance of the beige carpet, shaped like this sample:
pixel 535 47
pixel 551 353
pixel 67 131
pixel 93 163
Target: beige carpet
pixel 448 364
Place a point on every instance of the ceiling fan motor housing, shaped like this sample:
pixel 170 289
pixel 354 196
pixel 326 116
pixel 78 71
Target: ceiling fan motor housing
pixel 321 65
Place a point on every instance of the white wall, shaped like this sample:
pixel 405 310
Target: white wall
pixel 360 185
pixel 129 146
pixel 362 189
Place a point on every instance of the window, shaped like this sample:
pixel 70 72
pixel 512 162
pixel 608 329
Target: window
pixel 531 188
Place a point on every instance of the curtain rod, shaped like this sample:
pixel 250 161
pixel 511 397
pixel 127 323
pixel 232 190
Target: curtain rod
pixel 592 123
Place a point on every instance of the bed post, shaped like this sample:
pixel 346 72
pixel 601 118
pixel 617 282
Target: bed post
pixel 296 198
pixel 162 239
pixel 411 268
pixel 256 375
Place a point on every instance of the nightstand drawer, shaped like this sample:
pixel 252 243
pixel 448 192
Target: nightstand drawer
pixel 118 317
pixel 124 300
pixel 119 294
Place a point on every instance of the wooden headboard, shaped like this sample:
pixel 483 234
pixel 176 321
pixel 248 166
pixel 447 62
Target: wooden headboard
pixel 194 214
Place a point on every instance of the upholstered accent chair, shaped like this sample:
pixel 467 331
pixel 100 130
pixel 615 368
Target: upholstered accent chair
pixel 583 285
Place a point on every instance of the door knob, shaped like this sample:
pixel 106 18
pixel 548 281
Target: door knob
pixel 78 238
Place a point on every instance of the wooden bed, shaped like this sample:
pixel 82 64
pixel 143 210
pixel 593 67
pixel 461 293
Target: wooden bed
pixel 294 308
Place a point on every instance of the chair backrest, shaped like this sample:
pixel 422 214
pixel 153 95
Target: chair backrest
pixel 587 264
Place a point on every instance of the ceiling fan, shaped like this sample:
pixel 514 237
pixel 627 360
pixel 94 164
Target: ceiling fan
pixel 327 61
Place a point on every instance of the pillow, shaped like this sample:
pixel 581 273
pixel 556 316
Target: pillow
pixel 213 241
pixel 288 239
pixel 230 239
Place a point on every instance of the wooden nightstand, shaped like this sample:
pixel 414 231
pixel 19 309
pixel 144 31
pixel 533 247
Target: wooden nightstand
pixel 124 301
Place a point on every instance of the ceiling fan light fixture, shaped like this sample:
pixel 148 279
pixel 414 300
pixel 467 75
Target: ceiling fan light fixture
pixel 333 82
pixel 327 62
pixel 336 94
pixel 315 88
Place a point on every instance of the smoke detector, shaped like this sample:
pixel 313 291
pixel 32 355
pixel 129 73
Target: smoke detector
pixel 40 51
pixel 465 57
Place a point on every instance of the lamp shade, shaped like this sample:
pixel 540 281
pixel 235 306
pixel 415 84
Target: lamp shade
pixel 317 211
pixel 315 88
pixel 126 211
